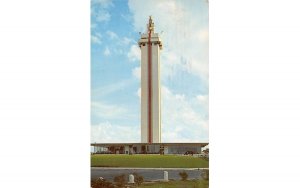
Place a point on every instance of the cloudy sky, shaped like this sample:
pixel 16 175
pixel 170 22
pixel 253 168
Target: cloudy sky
pixel 115 68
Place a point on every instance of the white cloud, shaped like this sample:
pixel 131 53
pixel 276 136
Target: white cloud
pixel 111 88
pixel 126 41
pixel 136 72
pixel 105 132
pixel 175 136
pixel 182 120
pixel 102 16
pixel 203 35
pixel 112 35
pixel 103 3
pixel 100 9
pixel 126 17
pixel 108 111
pixel 96 39
pixel 185 44
pixel 203 100
pixel 120 44
pixel 93 25
pixel 134 53
pixel 169 64
pixel 139 93
pixel 106 52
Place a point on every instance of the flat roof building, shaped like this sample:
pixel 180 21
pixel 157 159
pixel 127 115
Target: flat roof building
pixel 145 148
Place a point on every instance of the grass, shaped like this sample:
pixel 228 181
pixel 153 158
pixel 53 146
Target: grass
pixel 177 184
pixel 147 161
pixel 172 184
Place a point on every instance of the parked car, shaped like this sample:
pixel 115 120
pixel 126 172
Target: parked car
pixel 189 153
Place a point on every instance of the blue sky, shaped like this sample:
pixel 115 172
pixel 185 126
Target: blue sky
pixel 115 68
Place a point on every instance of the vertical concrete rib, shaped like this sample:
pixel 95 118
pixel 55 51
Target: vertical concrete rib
pixel 149 89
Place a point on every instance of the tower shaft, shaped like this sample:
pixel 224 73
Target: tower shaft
pixel 150 45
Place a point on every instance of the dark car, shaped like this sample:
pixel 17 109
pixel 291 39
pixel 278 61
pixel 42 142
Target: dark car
pixel 189 153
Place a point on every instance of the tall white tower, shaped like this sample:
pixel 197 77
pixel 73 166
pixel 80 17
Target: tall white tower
pixel 150 45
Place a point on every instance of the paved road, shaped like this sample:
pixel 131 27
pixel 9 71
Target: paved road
pixel 149 174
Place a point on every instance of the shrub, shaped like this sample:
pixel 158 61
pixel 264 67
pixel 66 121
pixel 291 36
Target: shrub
pixel 183 175
pixel 101 183
pixel 205 174
pixel 120 180
pixel 138 179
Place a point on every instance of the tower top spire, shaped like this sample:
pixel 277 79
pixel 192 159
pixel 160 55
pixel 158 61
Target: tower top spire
pixel 150 25
pixel 149 33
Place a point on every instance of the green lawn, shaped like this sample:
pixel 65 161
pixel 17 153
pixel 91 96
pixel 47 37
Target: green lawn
pixel 147 161
pixel 177 184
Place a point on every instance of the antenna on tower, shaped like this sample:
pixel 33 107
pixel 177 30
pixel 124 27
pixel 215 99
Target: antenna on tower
pixel 150 25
